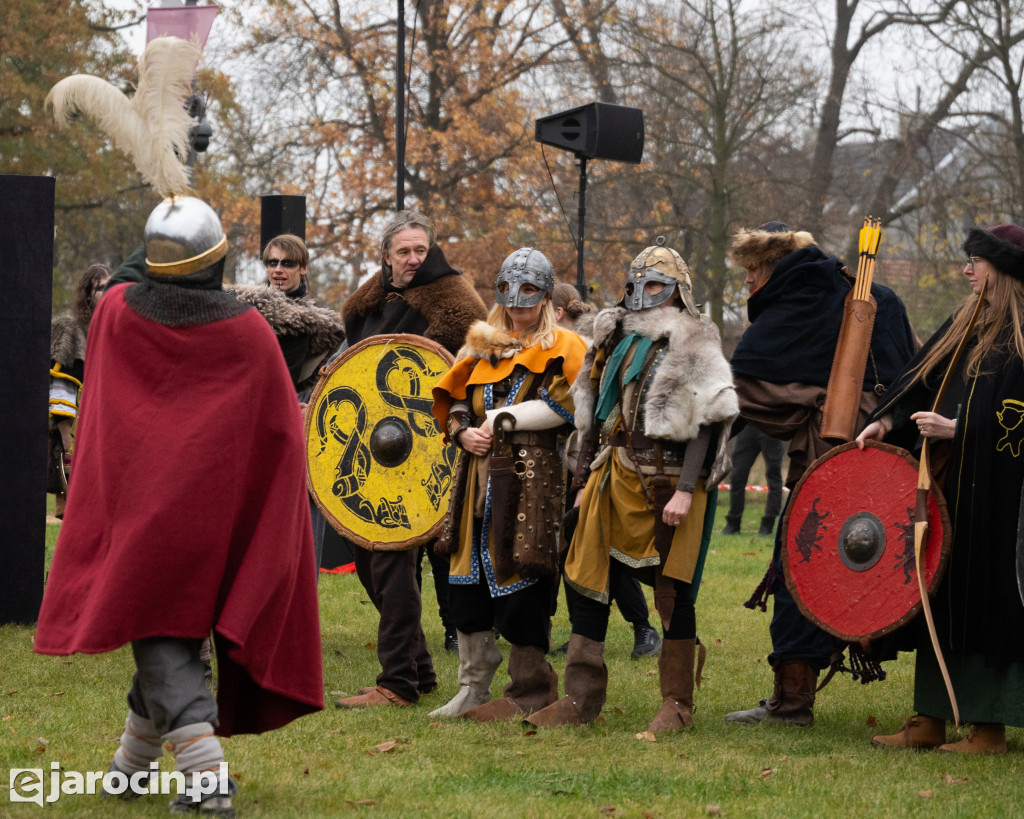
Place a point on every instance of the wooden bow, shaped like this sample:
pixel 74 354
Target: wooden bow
pixel 924 484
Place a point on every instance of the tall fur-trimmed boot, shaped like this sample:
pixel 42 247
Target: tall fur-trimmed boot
pixel 586 687
pixel 792 701
pixel 534 685
pixel 982 738
pixel 140 746
pixel 675 673
pixel 919 731
pixel 479 658
pixel 197 750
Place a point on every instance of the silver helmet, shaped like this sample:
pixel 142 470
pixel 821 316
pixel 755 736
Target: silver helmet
pixel 183 235
pixel 662 265
pixel 524 266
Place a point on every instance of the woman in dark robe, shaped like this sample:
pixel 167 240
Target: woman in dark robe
pixel 977 433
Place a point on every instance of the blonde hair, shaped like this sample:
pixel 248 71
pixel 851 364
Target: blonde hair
pixel 1003 309
pixel 545 332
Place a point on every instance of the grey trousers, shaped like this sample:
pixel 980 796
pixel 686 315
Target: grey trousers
pixel 168 687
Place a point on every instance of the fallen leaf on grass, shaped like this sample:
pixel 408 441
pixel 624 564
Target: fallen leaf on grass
pixel 607 809
pixel 370 645
pixel 648 815
pixel 766 772
pixel 750 554
pixel 520 753
pixel 11 693
pixel 41 749
pixel 305 772
pixel 384 747
pixel 871 721
pixel 43 740
pixel 926 794
pixel 951 781
pixel 652 673
pixel 531 733
pixel 718 642
pixel 647 736
pixel 352 803
pixel 8 718
pixel 713 810
pixel 339 694
pixel 57 694
pixel 617 710
pixel 784 759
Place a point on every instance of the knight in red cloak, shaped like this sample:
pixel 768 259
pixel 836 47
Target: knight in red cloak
pixel 189 513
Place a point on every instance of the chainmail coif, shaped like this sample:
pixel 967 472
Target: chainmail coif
pixel 185 301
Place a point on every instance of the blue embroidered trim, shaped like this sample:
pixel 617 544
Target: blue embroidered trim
pixel 568 416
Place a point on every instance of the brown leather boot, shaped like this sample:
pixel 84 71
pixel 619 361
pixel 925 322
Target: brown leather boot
pixel 919 731
pixel 791 702
pixel 982 738
pixel 534 685
pixel 586 686
pixel 675 673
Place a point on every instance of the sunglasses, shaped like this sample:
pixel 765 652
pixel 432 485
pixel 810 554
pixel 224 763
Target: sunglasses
pixel 287 264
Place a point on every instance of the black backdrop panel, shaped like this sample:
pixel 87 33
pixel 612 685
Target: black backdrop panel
pixel 282 214
pixel 26 236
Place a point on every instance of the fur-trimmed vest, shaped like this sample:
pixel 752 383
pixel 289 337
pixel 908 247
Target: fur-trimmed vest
pixel 689 385
pixel 311 332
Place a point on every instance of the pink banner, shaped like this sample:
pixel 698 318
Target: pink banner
pixel 180 21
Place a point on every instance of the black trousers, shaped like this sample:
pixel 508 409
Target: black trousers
pixel 390 580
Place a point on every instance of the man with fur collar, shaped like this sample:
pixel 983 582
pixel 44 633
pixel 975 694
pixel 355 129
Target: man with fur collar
pixel 416 292
pixel 781 368
pixel 657 400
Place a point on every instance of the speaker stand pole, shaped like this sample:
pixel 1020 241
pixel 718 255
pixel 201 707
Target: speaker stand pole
pixel 581 212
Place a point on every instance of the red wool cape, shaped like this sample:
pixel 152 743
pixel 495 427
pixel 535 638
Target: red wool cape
pixel 188 511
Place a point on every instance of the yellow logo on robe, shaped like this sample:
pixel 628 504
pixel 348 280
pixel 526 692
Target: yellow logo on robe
pixel 1010 417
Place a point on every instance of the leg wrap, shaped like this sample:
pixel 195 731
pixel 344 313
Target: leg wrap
pixel 140 745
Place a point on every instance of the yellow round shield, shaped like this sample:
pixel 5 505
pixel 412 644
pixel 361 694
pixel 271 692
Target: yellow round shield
pixel 378 467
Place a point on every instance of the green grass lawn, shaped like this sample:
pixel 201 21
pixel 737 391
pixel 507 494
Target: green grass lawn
pixel 71 710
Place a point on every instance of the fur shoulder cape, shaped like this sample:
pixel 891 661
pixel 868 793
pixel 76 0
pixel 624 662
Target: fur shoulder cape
pixel 295 317
pixel 67 340
pixel 449 303
pixel 692 386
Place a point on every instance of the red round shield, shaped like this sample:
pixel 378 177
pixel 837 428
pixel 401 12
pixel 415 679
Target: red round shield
pixel 848 536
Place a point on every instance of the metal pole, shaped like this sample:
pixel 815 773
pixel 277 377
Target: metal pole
pixel 581 213
pixel 400 111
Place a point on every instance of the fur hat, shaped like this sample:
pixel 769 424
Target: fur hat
pixel 1001 246
pixel 767 244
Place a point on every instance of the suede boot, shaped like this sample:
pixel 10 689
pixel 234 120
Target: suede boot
pixel 982 738
pixel 919 731
pixel 732 525
pixel 675 674
pixel 586 686
pixel 792 701
pixel 767 525
pixel 479 658
pixel 534 685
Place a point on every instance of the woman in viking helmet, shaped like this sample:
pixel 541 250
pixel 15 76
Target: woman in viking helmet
pixel 505 403
pixel 656 405
pixel 976 430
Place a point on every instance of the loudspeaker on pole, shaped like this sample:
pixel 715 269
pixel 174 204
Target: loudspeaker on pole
pixel 599 130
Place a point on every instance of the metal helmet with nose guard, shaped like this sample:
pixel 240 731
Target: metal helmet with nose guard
pixel 524 266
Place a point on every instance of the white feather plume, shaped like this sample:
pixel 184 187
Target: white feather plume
pixel 153 126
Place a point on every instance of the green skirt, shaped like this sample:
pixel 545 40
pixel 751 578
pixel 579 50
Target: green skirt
pixel 984 694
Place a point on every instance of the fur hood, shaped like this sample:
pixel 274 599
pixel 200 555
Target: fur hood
pixel 67 339
pixel 692 386
pixel 750 248
pixel 295 317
